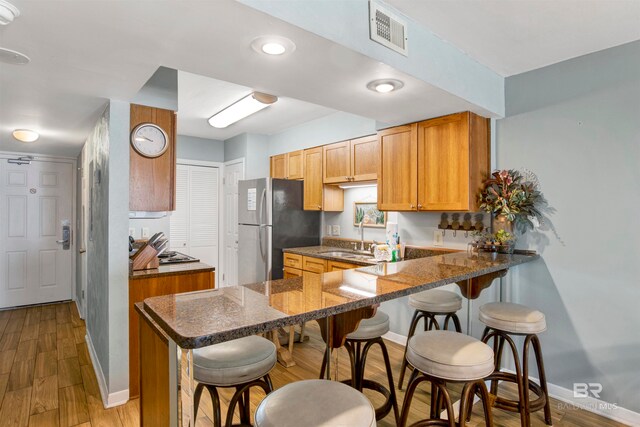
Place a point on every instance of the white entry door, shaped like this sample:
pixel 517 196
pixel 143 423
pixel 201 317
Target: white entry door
pixel 35 204
pixel 233 172
pixel 194 223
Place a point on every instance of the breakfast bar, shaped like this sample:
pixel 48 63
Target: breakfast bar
pixel 173 325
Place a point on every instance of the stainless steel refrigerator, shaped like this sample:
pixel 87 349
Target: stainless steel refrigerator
pixel 270 218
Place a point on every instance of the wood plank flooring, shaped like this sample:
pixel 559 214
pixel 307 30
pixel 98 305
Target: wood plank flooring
pixel 46 378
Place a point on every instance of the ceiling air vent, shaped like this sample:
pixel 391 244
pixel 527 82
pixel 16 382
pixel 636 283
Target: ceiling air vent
pixel 387 28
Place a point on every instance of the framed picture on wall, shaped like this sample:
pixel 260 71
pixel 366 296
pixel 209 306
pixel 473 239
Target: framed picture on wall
pixel 369 215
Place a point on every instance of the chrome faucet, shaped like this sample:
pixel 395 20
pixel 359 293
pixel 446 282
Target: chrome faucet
pixel 361 228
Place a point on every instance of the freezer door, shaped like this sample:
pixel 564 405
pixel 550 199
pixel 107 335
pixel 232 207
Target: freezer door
pixel 254 254
pixel 254 201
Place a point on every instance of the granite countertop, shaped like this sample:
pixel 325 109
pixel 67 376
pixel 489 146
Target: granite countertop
pixel 199 319
pixel 335 245
pixel 171 269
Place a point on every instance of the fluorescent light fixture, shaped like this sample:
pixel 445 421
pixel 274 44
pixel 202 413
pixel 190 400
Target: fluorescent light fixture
pixel 385 85
pixel 362 184
pixel 25 135
pixel 273 45
pixel 246 106
pixel 357 291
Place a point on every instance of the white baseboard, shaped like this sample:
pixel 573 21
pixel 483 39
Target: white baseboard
pixel 591 404
pixel 78 308
pixel 109 400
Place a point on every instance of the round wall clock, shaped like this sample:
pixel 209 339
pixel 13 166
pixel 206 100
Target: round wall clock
pixel 149 140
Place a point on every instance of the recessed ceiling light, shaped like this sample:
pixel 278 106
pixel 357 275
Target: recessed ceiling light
pixel 273 45
pixel 8 12
pixel 25 135
pixel 246 106
pixel 9 56
pixel 385 85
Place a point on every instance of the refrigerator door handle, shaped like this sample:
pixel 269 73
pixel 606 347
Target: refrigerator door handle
pixel 263 198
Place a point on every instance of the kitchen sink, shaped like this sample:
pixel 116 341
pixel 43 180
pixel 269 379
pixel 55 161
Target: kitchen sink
pixel 349 255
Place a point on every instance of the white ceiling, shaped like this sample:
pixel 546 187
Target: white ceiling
pixel 85 52
pixel 200 97
pixel 514 36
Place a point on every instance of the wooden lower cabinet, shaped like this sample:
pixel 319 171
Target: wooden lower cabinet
pixel 154 376
pixel 290 273
pixel 292 260
pixel 142 288
pixel 337 266
pixel 315 265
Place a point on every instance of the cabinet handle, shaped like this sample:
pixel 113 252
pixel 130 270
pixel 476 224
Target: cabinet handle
pixel 419 206
pixel 347 178
pixel 319 207
pixel 412 206
pixel 353 178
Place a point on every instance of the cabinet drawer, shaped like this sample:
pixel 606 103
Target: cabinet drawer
pixel 292 272
pixel 337 265
pixel 314 265
pixel 292 260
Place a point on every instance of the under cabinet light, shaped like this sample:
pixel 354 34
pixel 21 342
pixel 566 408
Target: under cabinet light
pixel 245 107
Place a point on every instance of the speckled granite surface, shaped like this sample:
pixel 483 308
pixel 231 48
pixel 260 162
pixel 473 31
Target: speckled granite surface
pixel 172 269
pixel 321 252
pixel 411 252
pixel 203 318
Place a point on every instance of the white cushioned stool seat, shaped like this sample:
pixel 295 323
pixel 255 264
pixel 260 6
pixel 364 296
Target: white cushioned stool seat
pixel 450 355
pixel 234 362
pixel 514 318
pixel 436 301
pixel 315 403
pixel 373 327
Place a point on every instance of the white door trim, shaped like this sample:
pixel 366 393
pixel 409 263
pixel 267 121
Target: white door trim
pixel 241 161
pixel 74 180
pixel 220 166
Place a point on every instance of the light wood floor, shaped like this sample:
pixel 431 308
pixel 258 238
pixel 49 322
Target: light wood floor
pixel 46 377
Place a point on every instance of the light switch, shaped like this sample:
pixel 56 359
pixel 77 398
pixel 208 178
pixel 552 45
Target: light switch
pixel 438 239
pixel 145 232
pixel 335 230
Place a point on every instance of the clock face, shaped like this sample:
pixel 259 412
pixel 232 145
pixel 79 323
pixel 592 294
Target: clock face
pixel 149 140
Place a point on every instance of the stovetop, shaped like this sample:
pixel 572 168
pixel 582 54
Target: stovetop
pixel 173 257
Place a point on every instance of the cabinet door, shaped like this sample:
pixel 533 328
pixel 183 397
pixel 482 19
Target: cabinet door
pixel 337 265
pixel 279 166
pixel 337 162
pixel 443 163
pixel 314 265
pixel 295 165
pixel 291 272
pixel 313 179
pixel 365 155
pixel 397 182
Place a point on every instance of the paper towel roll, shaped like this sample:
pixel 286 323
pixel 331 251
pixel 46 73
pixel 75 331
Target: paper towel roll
pixel 392 234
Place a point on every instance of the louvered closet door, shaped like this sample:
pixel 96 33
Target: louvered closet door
pixel 194 223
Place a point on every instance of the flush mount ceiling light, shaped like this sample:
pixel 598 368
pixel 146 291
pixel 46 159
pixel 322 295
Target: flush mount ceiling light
pixel 8 12
pixel 273 45
pixel 9 56
pixel 385 85
pixel 25 135
pixel 246 106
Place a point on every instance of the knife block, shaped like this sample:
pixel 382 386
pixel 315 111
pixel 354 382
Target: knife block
pixel 146 258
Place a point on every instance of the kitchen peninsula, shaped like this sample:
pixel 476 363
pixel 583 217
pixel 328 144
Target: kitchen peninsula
pixel 199 319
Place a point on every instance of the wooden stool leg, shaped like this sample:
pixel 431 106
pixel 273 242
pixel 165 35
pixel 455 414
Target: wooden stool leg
pixel 412 329
pixel 537 349
pixel 486 403
pixel 414 381
pixel 392 389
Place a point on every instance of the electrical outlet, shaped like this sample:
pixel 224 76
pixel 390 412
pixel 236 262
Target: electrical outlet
pixel 335 230
pixel 438 239
pixel 132 232
pixel 145 232
pixel 328 233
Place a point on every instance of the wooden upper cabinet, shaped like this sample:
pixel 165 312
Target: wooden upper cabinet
pixel 365 155
pixel 295 165
pixel 152 181
pixel 279 166
pixel 317 196
pixel 313 179
pixel 336 162
pixel 453 159
pixel 398 168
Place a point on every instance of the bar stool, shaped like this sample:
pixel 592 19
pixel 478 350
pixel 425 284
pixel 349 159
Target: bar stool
pixel 243 363
pixel 428 305
pixel 315 403
pixel 443 357
pixel 358 344
pixel 503 320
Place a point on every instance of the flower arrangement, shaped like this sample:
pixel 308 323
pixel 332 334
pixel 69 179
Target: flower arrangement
pixel 515 195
